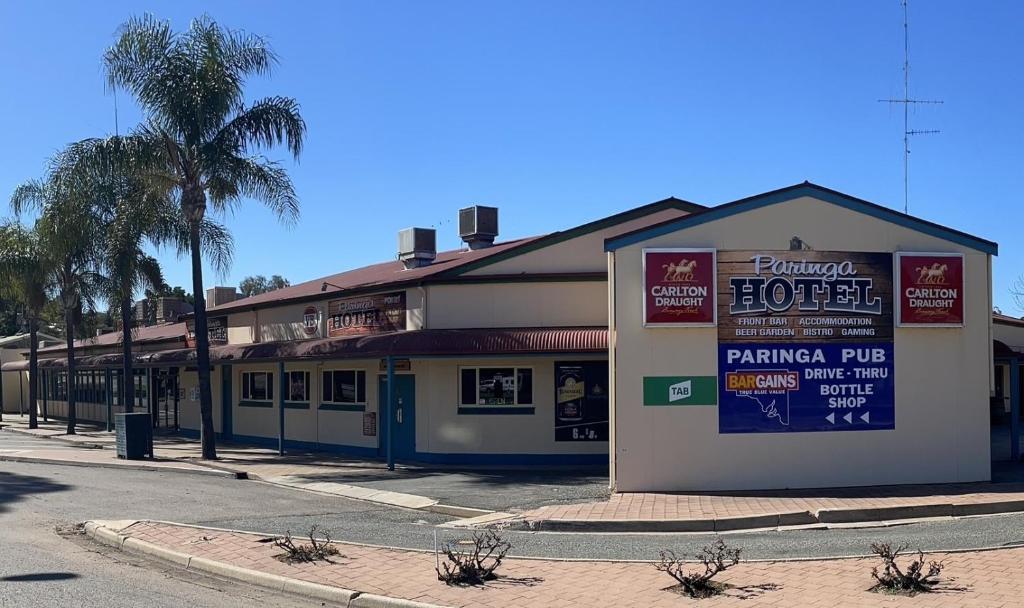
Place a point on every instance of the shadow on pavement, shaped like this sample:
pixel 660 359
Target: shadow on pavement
pixel 38 577
pixel 15 487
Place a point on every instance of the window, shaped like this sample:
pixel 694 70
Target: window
pixel 116 379
pixel 298 386
pixel 257 386
pixel 344 386
pixel 496 386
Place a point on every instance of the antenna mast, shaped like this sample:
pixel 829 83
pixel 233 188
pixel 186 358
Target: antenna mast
pixel 907 101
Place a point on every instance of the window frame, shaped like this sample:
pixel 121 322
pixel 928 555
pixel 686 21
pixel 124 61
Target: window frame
pixel 482 408
pixel 243 385
pixel 308 387
pixel 334 404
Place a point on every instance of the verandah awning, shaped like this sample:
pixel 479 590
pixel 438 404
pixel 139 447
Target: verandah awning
pixel 417 343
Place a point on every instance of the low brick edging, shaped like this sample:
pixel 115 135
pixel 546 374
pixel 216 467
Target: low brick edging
pixel 405 578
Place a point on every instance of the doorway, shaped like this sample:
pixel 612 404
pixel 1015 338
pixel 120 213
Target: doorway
pixel 165 399
pixel 403 417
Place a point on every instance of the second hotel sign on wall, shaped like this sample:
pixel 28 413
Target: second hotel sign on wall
pixel 363 315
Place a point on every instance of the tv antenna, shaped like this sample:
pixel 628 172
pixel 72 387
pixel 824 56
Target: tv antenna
pixel 906 101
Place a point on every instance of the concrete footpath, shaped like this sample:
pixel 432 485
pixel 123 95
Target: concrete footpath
pixel 366 576
pixel 533 503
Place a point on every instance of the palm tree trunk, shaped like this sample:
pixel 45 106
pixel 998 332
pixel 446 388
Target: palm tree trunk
pixel 206 435
pixel 127 370
pixel 33 371
pixel 69 330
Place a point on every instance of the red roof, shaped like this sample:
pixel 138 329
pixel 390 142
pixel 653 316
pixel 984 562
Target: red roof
pixel 375 275
pixel 141 335
pixel 417 343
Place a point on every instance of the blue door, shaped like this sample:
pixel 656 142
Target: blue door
pixel 402 419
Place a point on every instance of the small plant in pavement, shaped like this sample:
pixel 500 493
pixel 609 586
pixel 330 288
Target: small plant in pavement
pixel 919 577
pixel 476 564
pixel 697 583
pixel 315 550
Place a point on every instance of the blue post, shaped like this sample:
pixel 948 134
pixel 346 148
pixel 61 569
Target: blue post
pixel 109 376
pixel 43 378
pixel 280 408
pixel 1015 410
pixel 390 411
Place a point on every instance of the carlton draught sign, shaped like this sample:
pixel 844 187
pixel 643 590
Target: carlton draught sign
pixel 679 287
pixel 805 341
pixel 931 289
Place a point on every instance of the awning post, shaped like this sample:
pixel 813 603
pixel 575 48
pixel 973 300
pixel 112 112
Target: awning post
pixel 108 380
pixel 280 408
pixel 390 411
pixel 1015 410
pixel 42 379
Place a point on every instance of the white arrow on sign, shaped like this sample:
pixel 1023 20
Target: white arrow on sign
pixel 866 417
pixel 831 417
pixel 848 417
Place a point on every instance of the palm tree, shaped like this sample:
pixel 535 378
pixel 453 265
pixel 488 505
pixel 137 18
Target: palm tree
pixel 68 231
pixel 24 278
pixel 191 89
pixel 134 209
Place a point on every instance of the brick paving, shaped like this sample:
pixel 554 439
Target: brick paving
pixel 989 579
pixel 633 506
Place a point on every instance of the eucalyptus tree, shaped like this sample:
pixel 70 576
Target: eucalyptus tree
pixel 191 88
pixel 25 278
pixel 68 229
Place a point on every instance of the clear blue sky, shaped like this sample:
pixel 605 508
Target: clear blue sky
pixel 563 112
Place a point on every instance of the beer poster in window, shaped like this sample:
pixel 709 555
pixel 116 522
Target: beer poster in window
pixel 679 287
pixel 362 315
pixel 805 341
pixel 581 401
pixel 930 289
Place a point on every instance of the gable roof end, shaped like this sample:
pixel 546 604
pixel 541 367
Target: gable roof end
pixel 796 191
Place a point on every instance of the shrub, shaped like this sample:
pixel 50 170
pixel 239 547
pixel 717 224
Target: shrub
pixel 475 565
pixel 894 580
pixel 715 558
pixel 314 551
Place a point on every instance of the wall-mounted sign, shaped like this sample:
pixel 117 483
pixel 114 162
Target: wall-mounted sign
pixel 679 287
pixel 369 424
pixel 581 401
pixel 311 321
pixel 931 289
pixel 805 341
pixel 680 390
pixel 401 365
pixel 217 329
pixel 363 315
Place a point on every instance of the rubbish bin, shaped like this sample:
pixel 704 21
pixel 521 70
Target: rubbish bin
pixel 134 434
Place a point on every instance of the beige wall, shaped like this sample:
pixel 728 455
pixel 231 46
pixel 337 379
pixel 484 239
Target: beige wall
pixel 581 254
pixel 440 429
pixel 311 425
pixel 941 383
pixel 543 304
pixel 15 384
pixel 1010 335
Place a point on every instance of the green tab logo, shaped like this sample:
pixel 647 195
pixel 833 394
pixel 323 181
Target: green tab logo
pixel 680 390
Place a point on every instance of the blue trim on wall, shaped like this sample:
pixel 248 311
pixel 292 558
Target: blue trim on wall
pixel 255 404
pixel 426 457
pixel 787 194
pixel 296 405
pixel 498 410
pixel 343 407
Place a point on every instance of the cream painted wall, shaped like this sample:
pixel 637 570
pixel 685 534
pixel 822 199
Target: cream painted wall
pixel 311 425
pixel 581 254
pixel 15 384
pixel 942 377
pixel 440 429
pixel 1010 335
pixel 544 304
